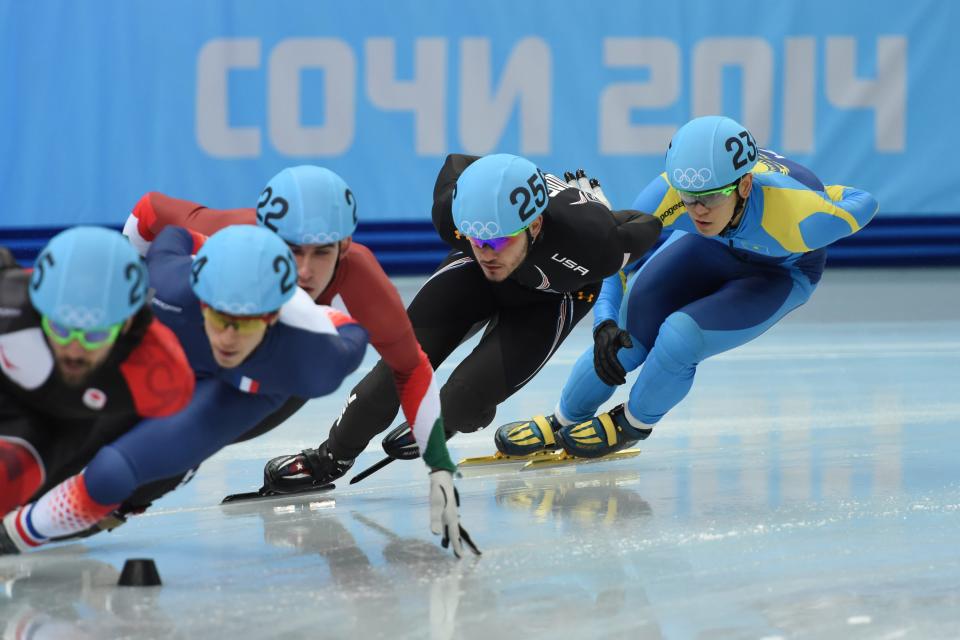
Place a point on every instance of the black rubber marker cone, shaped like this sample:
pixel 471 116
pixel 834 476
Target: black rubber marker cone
pixel 139 572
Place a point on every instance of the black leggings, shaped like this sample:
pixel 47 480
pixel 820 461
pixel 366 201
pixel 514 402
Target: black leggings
pixel 524 327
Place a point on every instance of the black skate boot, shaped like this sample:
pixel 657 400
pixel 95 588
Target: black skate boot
pixel 308 470
pixel 401 445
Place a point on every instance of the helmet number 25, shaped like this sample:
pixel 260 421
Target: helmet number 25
pixel 538 185
pixel 734 141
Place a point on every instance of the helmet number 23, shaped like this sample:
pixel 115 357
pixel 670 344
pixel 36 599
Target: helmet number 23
pixel 734 142
pixel 538 185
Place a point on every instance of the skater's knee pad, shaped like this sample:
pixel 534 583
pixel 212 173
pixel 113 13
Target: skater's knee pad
pixel 680 343
pixel 473 422
pixel 463 409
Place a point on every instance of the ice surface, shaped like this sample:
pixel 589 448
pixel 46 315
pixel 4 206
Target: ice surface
pixel 807 487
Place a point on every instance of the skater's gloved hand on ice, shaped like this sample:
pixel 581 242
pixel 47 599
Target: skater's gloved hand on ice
pixel 445 513
pixel 608 339
pixel 590 186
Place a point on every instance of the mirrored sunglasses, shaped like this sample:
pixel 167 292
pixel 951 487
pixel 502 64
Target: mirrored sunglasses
pixel 709 199
pixel 243 324
pixel 497 244
pixel 89 339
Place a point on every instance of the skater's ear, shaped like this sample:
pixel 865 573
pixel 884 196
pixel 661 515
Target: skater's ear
pixel 745 186
pixel 535 226
pixel 344 245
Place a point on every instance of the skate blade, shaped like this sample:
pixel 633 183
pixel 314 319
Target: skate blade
pixel 562 458
pixel 503 459
pixel 260 495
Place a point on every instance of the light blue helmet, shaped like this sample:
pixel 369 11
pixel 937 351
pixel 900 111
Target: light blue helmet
pixel 308 205
pixel 498 195
pixel 709 153
pixel 244 271
pixel 88 278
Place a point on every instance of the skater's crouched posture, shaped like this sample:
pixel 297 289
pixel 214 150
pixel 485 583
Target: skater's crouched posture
pixel 252 338
pixel 82 361
pixel 748 247
pixel 529 253
pixel 314 211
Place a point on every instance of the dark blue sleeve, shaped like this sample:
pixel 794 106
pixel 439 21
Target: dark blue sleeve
pixel 169 262
pixel 160 448
pixel 333 356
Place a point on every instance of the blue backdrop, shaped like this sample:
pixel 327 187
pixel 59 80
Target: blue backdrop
pixel 105 100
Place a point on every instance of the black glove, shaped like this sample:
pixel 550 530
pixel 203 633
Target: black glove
pixel 608 339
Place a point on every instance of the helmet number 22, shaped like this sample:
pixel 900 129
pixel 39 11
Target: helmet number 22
pixel 734 141
pixel 266 216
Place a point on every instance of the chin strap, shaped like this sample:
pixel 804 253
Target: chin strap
pixel 738 210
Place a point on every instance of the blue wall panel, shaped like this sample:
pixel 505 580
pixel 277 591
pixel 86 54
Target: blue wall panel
pixel 104 101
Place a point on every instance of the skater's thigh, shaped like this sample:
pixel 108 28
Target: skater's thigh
pixel 451 303
pixel 521 342
pixel 687 268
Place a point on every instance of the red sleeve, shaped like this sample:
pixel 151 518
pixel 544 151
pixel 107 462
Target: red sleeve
pixel 156 211
pixel 158 373
pixel 375 303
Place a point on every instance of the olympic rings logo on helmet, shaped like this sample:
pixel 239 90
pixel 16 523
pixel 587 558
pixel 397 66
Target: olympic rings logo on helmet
pixel 480 230
pixel 79 317
pixel 691 179
pixel 321 237
pixel 236 308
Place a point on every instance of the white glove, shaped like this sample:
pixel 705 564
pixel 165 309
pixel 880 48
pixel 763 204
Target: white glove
pixel 445 513
pixel 590 186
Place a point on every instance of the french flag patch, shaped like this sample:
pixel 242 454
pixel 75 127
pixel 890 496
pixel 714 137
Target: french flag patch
pixel 249 385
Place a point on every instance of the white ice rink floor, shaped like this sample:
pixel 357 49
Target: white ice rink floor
pixel 808 487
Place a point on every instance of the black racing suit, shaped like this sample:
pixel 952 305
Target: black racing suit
pixel 528 315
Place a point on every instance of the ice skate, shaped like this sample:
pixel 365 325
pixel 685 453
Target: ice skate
pixel 310 471
pixel 518 439
pixel 543 438
pixel 601 436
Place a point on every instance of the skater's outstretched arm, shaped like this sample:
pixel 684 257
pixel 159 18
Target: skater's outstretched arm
pixel 155 449
pixel 155 211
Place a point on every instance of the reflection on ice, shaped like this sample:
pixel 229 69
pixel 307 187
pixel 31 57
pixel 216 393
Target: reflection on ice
pixel 807 487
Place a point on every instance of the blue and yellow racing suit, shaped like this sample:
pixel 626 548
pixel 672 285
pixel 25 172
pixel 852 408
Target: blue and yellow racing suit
pixel 698 296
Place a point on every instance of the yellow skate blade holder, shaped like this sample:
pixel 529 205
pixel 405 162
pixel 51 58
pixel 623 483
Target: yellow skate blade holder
pixel 543 459
pixel 501 458
pixel 562 458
